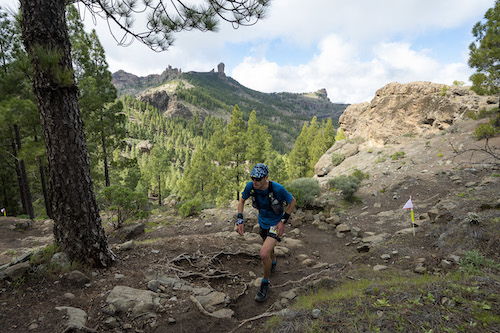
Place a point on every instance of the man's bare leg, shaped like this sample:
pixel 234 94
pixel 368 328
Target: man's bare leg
pixel 267 255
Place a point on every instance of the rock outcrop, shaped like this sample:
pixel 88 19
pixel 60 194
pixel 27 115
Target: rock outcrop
pixel 415 108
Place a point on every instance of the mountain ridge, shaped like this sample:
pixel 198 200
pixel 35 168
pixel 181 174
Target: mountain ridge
pixel 184 94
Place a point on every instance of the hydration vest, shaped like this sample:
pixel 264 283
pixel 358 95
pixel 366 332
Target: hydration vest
pixel 276 205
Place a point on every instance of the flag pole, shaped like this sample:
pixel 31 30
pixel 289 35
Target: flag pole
pixel 412 222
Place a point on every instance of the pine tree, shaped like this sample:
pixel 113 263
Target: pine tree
pixel 234 152
pixel 485 55
pixel 298 162
pixel 258 141
pixel 199 177
pixel 322 141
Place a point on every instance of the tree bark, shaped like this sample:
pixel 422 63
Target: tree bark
pixel 77 224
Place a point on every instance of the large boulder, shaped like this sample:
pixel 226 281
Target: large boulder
pixel 415 108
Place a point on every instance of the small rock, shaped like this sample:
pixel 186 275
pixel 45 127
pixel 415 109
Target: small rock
pixel 33 326
pixel 290 294
pixel 343 228
pixel 316 313
pixel 119 276
pixel 308 262
pixel 15 271
pixel 111 322
pixel 69 295
pixel 420 270
pixel 385 256
pixel 446 263
pixel 355 231
pixel 130 245
pixel 77 318
pixel 363 248
pixel 302 257
pixel 77 278
pixel 153 285
pixel 377 268
pixel 171 321
pixel 60 260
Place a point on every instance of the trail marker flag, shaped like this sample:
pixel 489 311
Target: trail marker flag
pixel 409 205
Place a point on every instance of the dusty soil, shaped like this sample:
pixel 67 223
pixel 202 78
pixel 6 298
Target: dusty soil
pixel 194 249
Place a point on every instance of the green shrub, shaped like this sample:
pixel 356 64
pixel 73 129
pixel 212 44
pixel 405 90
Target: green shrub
pixel 190 207
pixel 304 190
pixel 123 204
pixel 347 184
pixel 360 175
pixel 444 90
pixel 337 158
pixel 485 131
pixel 397 155
pixel 340 135
pixel 475 263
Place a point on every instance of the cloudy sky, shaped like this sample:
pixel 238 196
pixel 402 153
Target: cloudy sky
pixel 351 48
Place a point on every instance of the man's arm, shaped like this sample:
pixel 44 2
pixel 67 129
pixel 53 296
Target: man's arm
pixel 290 207
pixel 284 219
pixel 240 227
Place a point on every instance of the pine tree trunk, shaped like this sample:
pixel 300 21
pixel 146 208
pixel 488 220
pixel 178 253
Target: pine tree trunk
pixel 46 198
pixel 77 224
pixel 105 156
pixel 17 167
pixel 159 189
pixel 24 178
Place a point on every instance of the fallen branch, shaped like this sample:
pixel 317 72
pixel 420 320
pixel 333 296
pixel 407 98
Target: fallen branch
pixel 303 279
pixel 200 307
pixel 185 274
pixel 263 315
pixel 233 254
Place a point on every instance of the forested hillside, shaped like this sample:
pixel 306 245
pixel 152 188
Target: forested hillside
pixel 215 94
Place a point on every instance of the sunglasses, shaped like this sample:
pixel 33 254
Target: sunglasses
pixel 257 179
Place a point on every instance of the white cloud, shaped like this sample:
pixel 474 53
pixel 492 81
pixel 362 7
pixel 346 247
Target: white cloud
pixel 347 78
pixel 351 48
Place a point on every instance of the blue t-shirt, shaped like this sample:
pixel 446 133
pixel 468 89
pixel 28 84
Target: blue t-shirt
pixel 267 218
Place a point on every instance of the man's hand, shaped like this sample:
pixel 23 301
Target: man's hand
pixel 281 228
pixel 240 228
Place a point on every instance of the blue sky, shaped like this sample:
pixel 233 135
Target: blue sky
pixel 350 48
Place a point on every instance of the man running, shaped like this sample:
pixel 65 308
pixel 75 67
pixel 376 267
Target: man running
pixel 268 198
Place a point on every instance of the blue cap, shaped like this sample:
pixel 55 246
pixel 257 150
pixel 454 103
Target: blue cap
pixel 259 171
